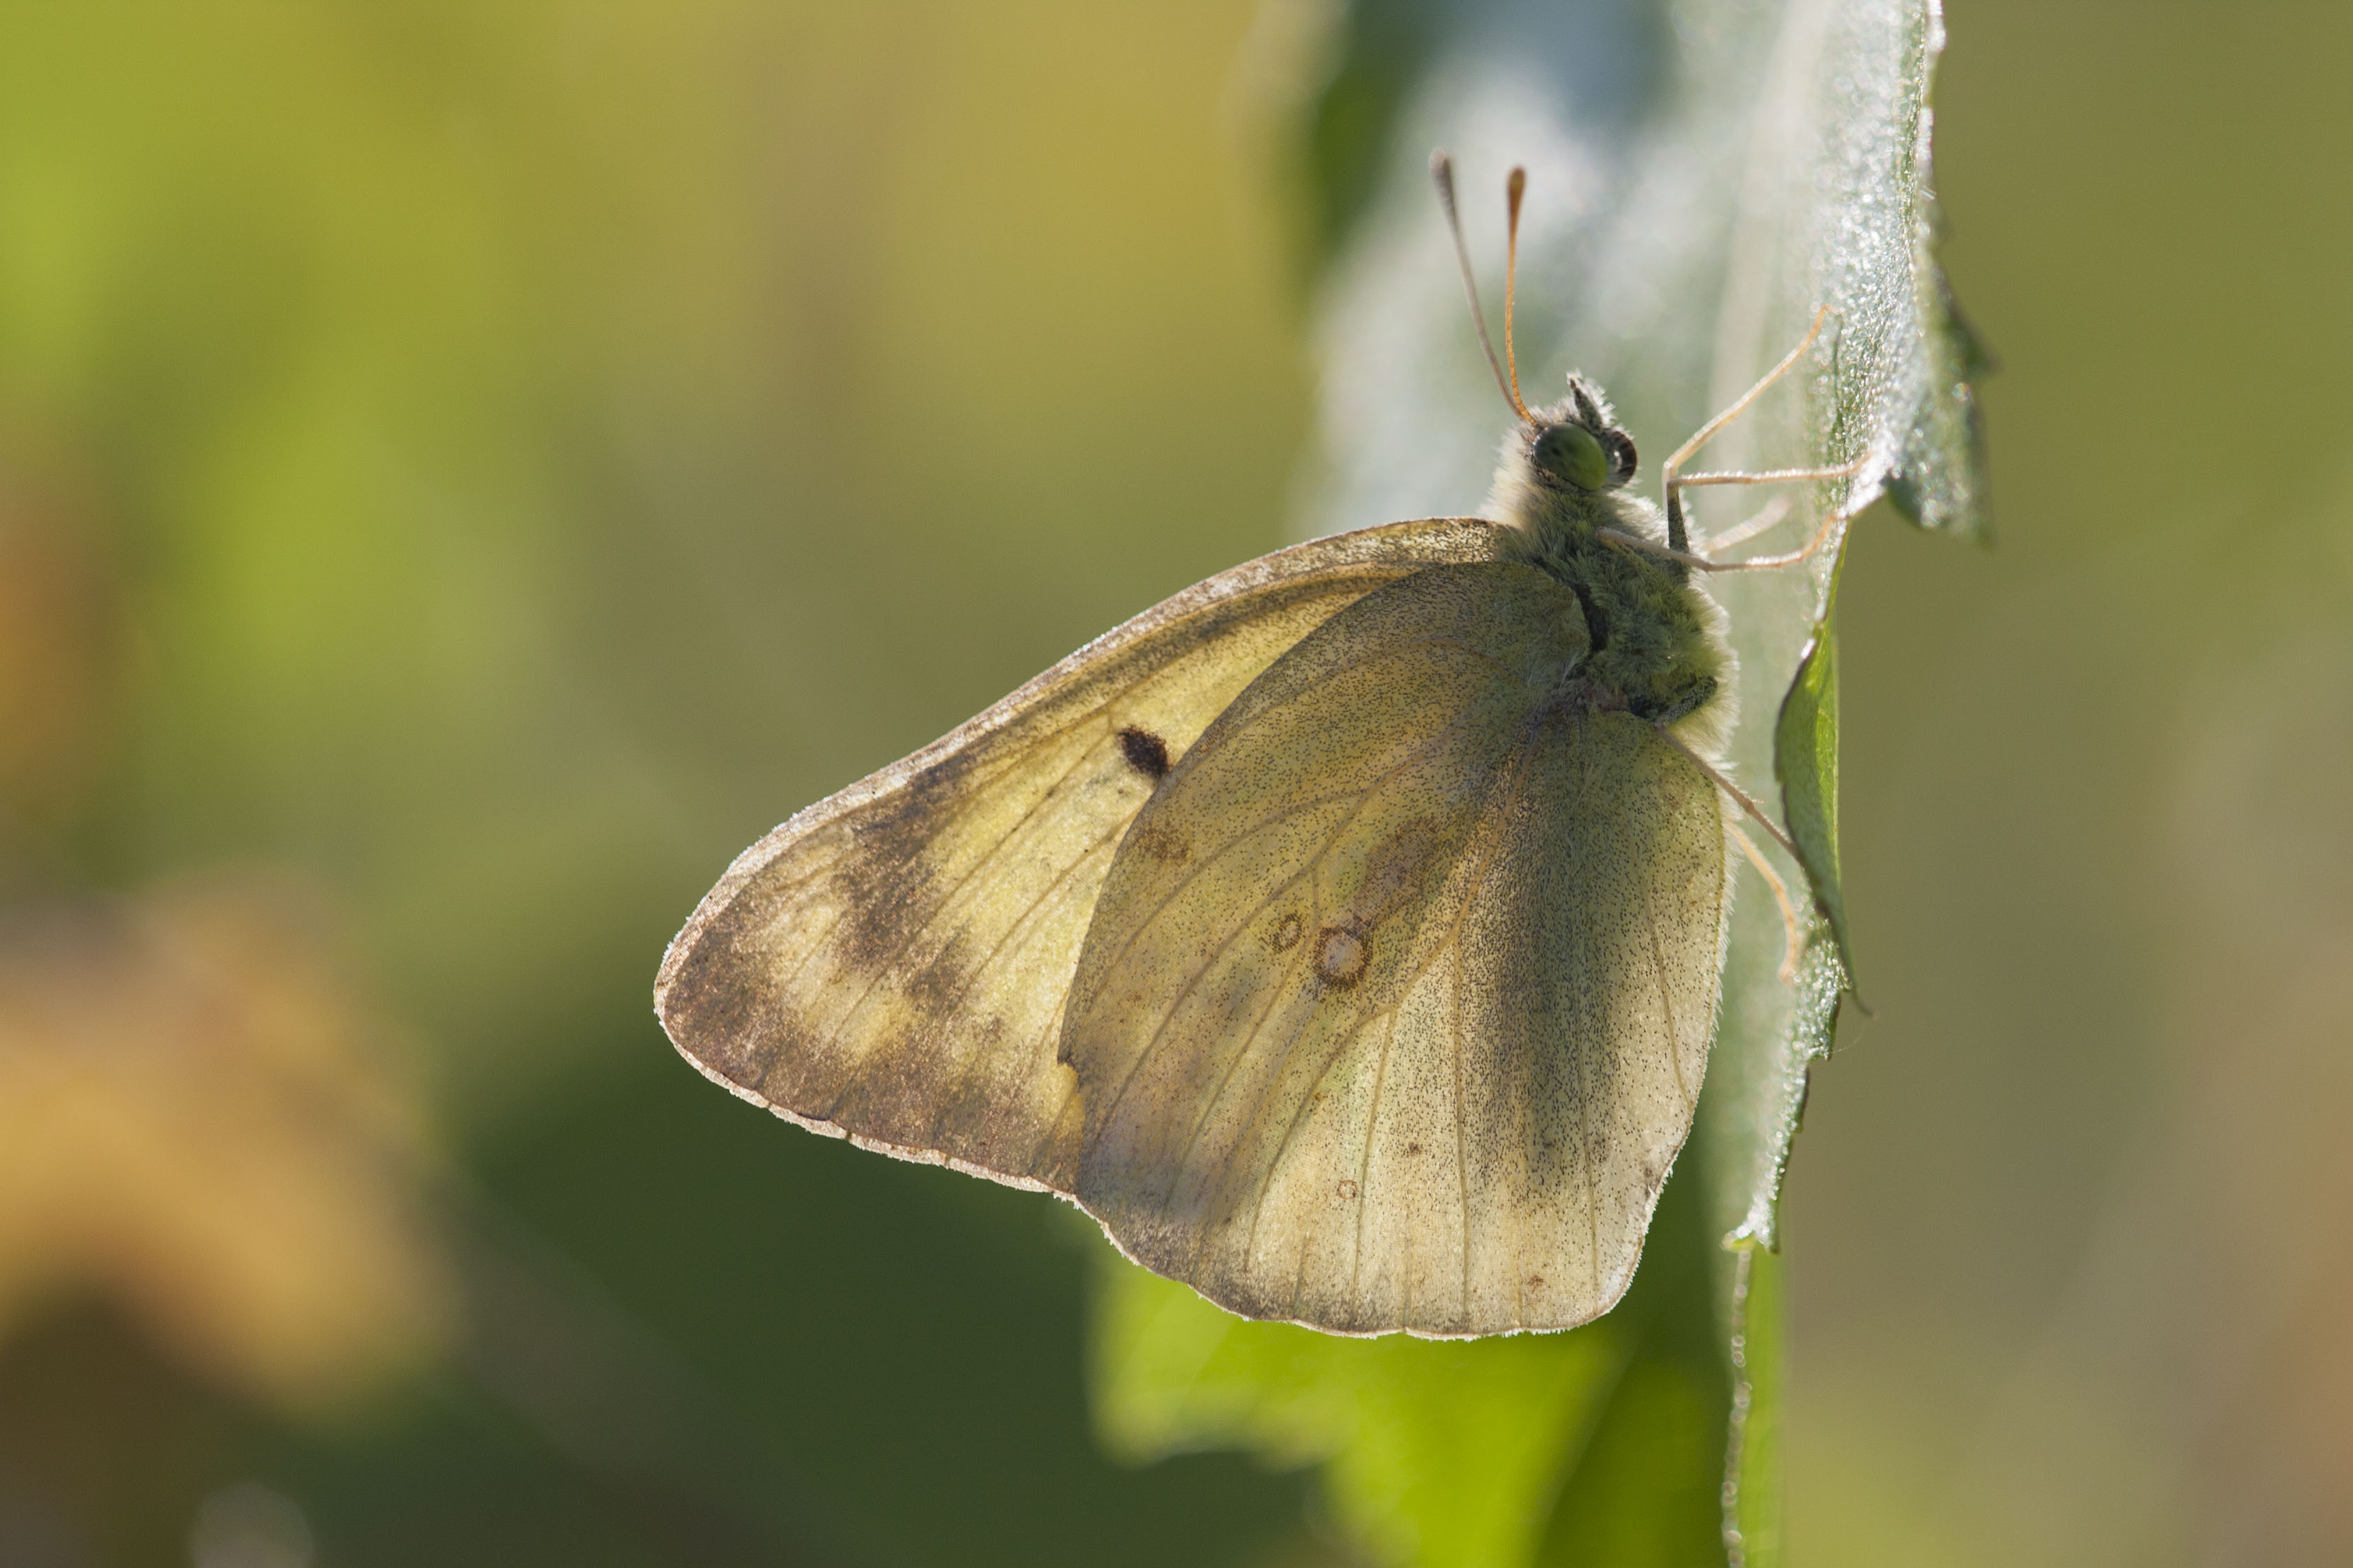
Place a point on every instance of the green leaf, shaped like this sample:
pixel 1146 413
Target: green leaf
pixel 1704 176
pixel 1805 764
pixel 1939 482
pixel 1752 1466
pixel 1602 1446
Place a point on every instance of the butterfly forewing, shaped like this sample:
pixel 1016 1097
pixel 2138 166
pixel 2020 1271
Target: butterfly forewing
pixel 891 964
pixel 1396 1001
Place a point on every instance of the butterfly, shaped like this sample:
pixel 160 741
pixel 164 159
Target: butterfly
pixel 1344 934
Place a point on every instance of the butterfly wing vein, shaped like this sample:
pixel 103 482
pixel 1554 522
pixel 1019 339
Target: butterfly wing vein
pixel 891 965
pixel 1395 997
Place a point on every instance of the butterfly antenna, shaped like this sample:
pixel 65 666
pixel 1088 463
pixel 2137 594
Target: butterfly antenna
pixel 1441 173
pixel 1514 189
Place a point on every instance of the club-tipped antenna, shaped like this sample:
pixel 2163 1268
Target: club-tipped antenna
pixel 1514 189
pixel 1441 173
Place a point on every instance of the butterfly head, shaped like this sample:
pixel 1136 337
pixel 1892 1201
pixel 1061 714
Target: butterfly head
pixel 1577 444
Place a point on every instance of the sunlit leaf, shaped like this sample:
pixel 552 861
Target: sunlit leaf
pixel 1703 178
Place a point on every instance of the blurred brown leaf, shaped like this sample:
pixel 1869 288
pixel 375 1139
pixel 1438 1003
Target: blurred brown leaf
pixel 58 620
pixel 197 1119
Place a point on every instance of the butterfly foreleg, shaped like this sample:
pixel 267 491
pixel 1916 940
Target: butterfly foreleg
pixel 1789 922
pixel 1789 925
pixel 1770 515
pixel 1822 536
pixel 1705 433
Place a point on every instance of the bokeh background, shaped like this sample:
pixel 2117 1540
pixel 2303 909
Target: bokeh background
pixel 466 469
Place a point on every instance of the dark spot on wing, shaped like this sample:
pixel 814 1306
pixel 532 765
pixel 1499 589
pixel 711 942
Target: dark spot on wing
pixel 1287 933
pixel 884 885
pixel 1161 845
pixel 1146 752
pixel 1413 1148
pixel 1348 1189
pixel 941 983
pixel 1340 956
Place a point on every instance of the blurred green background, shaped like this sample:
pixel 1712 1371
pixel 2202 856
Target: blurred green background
pixel 468 469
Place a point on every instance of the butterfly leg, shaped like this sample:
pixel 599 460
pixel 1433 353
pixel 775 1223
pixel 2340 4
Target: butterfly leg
pixel 1673 465
pixel 1797 940
pixel 1767 477
pixel 1772 513
pixel 1738 795
pixel 1766 518
pixel 1780 890
pixel 1822 535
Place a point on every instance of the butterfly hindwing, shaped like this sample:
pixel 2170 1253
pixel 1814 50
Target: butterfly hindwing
pixel 890 964
pixel 1396 1002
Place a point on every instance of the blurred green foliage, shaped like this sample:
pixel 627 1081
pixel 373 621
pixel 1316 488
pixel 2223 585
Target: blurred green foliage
pixel 534 447
pixel 1380 53
pixel 494 460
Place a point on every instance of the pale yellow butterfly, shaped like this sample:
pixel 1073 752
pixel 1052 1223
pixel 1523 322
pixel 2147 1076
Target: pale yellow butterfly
pixel 1343 933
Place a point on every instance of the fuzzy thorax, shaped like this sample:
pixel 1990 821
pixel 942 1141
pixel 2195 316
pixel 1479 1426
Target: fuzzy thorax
pixel 1658 644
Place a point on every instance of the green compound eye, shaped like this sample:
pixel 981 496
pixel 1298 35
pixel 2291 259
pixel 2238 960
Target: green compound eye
pixel 1571 452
